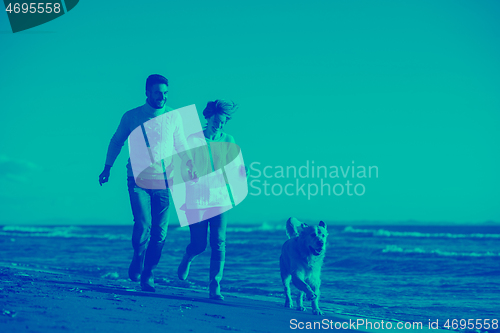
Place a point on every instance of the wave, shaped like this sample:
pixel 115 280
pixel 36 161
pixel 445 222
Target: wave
pixel 263 227
pixel 79 232
pixel 387 233
pixel 63 232
pixel 36 229
pixel 397 249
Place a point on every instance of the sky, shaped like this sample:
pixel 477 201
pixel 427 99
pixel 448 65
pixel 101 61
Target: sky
pixel 410 88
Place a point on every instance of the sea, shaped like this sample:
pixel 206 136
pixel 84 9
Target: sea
pixel 393 272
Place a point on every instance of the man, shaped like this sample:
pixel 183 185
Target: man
pixel 150 204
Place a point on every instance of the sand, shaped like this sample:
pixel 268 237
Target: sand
pixel 41 301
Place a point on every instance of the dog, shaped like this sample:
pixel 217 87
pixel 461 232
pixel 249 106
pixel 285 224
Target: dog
pixel 301 260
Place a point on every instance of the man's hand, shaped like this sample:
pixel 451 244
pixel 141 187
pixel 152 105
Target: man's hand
pixel 104 176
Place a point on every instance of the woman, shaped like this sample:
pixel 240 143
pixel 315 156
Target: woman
pixel 209 197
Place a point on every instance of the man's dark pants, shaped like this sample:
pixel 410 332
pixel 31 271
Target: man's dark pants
pixel 151 216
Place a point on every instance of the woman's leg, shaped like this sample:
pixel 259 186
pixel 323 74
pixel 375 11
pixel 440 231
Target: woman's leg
pixel 198 232
pixel 198 244
pixel 218 225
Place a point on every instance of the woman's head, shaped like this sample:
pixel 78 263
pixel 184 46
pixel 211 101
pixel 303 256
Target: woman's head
pixel 217 113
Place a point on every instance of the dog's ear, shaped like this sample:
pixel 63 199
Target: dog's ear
pixel 322 224
pixel 291 227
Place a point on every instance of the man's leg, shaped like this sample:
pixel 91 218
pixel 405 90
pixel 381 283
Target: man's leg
pixel 218 226
pixel 141 210
pixel 160 215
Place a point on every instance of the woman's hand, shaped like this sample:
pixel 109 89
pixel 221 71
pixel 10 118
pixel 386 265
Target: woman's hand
pixel 244 171
pixel 193 174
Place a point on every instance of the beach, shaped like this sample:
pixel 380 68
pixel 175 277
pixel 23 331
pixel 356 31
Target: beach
pixel 74 279
pixel 36 301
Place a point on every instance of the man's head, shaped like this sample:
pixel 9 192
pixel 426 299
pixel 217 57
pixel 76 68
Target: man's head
pixel 156 91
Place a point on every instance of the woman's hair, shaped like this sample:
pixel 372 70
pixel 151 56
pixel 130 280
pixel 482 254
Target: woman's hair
pixel 220 106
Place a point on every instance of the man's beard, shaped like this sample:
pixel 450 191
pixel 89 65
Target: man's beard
pixel 158 104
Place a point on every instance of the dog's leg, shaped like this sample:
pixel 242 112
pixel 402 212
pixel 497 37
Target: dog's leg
pixel 286 278
pixel 314 302
pixel 299 282
pixel 288 293
pixel 300 304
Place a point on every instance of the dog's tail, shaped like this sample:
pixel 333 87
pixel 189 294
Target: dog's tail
pixel 291 227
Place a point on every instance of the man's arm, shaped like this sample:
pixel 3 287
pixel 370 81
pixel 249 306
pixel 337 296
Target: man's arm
pixel 115 146
pixel 104 176
pixel 182 148
pixel 180 141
